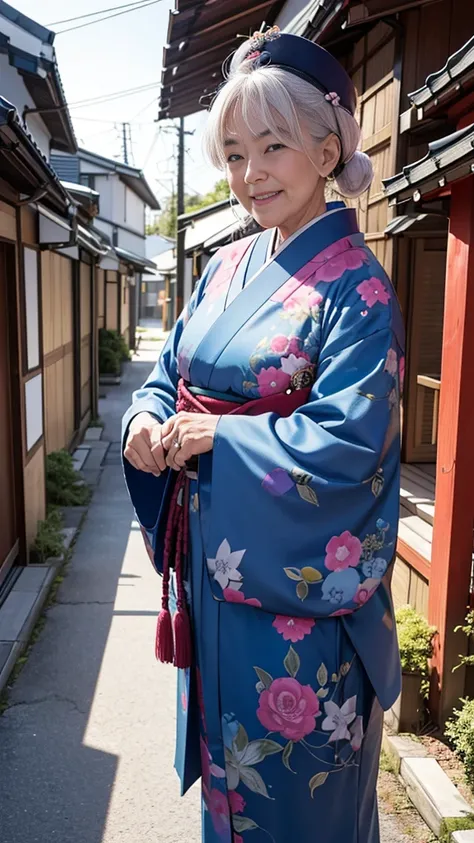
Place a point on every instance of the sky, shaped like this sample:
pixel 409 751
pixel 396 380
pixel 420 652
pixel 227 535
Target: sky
pixel 115 55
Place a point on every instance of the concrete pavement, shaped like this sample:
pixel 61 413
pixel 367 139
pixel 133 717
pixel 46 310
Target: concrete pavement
pixel 86 746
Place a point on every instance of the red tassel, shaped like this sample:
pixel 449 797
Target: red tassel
pixel 164 638
pixel 182 639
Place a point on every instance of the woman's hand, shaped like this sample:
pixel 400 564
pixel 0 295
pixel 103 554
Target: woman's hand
pixel 187 435
pixel 143 448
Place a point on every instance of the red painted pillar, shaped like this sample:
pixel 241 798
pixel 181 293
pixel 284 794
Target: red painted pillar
pixel 453 524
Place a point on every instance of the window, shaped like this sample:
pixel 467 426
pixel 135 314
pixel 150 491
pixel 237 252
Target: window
pixel 87 180
pixel 31 307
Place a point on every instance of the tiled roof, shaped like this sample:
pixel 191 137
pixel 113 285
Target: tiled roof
pixel 450 82
pixel 447 160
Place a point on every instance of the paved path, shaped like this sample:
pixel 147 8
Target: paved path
pixel 86 746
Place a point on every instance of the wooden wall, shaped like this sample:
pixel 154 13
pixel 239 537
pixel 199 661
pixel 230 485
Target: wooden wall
pixel 408 587
pixel 100 276
pixel 57 303
pixel 35 494
pixel 125 309
pixel 111 299
pixel 86 339
pixel 372 65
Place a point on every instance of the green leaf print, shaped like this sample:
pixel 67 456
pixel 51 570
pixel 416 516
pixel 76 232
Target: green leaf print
pixel 241 739
pixel 243 824
pixel 287 754
pixel 264 677
pixel 293 574
pixel 257 750
pixel 292 662
pixel 317 781
pixel 322 675
pixel 302 590
pixel 253 780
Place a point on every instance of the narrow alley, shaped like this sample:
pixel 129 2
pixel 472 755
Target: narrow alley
pixel 87 742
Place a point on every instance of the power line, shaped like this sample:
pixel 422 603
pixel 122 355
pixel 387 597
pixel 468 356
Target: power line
pixel 116 95
pixel 109 17
pixel 94 14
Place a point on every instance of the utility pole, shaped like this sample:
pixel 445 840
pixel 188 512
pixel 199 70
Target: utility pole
pixel 181 233
pixel 124 143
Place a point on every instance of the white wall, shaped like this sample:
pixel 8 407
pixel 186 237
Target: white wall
pixel 134 216
pixel 132 242
pixel 15 91
pixel 25 40
pixel 104 186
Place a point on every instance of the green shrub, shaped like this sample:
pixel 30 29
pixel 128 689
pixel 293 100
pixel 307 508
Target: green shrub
pixel 114 341
pixel 49 538
pixel 460 731
pixel 109 362
pixel 468 630
pixel 415 637
pixel 64 486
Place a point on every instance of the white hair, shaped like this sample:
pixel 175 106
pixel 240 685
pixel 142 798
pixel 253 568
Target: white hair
pixel 275 99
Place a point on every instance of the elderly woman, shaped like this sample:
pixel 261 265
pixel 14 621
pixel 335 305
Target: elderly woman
pixel 262 458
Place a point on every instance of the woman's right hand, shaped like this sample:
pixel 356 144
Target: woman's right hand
pixel 143 448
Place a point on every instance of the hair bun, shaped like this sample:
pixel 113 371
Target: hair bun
pixel 356 176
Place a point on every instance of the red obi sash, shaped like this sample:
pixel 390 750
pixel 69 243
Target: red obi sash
pixel 175 646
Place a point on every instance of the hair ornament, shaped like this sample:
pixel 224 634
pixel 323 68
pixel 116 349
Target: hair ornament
pixel 259 39
pixel 333 98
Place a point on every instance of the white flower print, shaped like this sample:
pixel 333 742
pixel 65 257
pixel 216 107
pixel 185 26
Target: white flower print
pixel 292 364
pixel 357 733
pixel 338 719
pixel 224 566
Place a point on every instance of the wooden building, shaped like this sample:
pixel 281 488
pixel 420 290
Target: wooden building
pixel 413 67
pixel 31 197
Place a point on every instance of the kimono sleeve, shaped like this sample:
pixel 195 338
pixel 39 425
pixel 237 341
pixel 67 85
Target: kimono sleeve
pixel 299 515
pixel 158 397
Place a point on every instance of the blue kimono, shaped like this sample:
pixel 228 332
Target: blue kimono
pixel 293 527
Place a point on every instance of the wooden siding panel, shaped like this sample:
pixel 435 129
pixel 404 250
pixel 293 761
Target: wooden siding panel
pixel 58 350
pixel 35 503
pixel 111 297
pixel 100 276
pixel 7 221
pixel 425 344
pixel 29 225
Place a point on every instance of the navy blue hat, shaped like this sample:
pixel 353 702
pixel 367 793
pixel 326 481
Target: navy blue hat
pixel 307 60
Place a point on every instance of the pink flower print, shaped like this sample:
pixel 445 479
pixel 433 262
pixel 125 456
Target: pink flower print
pixel 343 552
pixel 373 291
pixel 292 363
pixel 357 732
pixel 238 838
pixel 272 381
pixel 315 299
pixel 334 267
pixel 293 629
pixel 232 596
pixel 294 346
pixel 219 810
pixel 289 708
pixel 279 344
pixel 278 482
pixel 365 591
pixel 184 701
pixel 391 363
pixel 237 802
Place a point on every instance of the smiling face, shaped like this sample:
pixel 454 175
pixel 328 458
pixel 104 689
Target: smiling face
pixel 280 186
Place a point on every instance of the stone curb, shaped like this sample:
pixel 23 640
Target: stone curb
pixel 33 608
pixel 25 602
pixel 429 788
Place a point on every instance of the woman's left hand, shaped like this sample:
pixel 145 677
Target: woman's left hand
pixel 187 435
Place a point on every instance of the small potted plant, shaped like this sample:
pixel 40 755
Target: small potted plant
pixel 415 638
